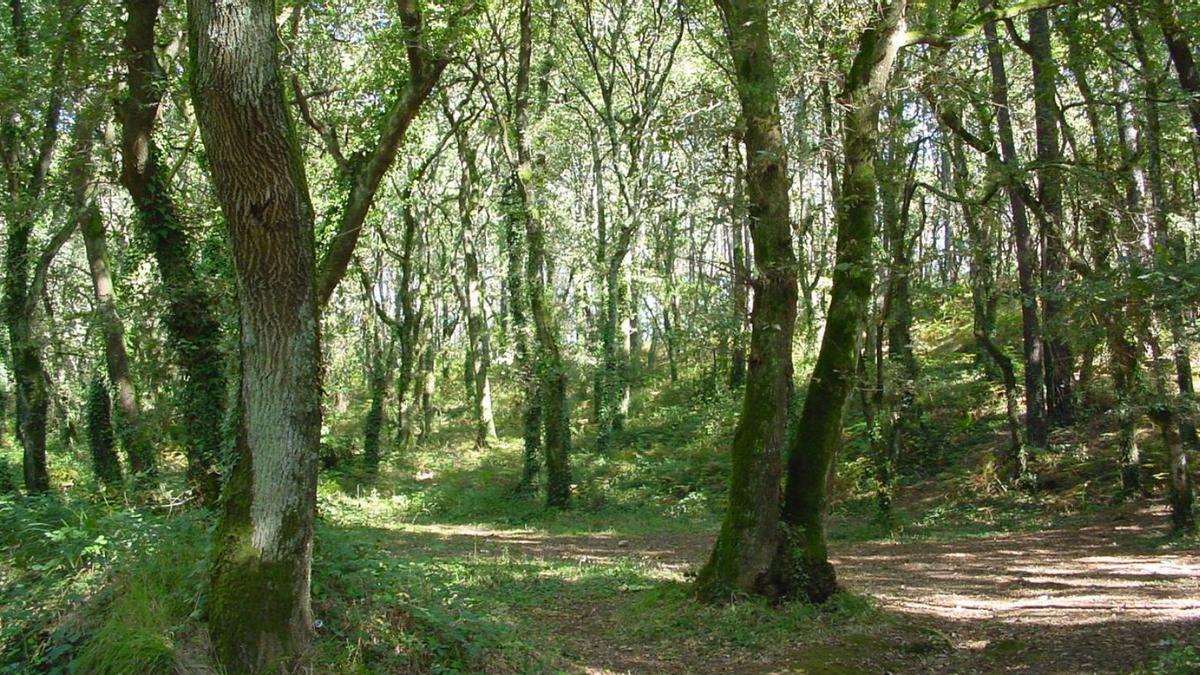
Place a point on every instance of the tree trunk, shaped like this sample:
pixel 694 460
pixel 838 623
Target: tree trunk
pixel 383 362
pixel 260 615
pixel 193 330
pixel 739 285
pixel 105 463
pixel 1059 365
pixel 1016 462
pixel 802 567
pixel 1169 248
pixel 127 420
pixel 547 362
pixel 22 208
pixel 479 349
pixel 1031 332
pixel 741 559
pixel 1183 519
pixel 1181 55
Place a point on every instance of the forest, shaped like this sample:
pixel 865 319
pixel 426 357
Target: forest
pixel 599 336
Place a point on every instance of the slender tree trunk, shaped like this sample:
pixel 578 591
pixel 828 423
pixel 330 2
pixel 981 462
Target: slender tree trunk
pixel 479 356
pixel 190 320
pixel 982 271
pixel 1031 332
pixel 741 558
pixel 408 327
pixel 1016 459
pixel 547 362
pixel 127 420
pixel 802 565
pixel 739 285
pixel 260 614
pixel 383 362
pixel 1059 365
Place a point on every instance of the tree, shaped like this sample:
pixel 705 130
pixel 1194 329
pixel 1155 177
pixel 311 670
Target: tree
pixel 742 557
pixel 127 421
pixel 190 319
pixel 28 154
pixel 802 565
pixel 259 614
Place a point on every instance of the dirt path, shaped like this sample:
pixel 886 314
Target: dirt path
pixel 1057 601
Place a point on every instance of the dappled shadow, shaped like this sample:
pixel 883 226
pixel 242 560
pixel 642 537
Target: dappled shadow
pixel 1096 598
pixel 1080 600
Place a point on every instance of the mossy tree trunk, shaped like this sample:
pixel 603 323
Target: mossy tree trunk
pixel 23 206
pixel 191 323
pixel 479 344
pixel 101 439
pixel 546 360
pixel 379 376
pixel 259 612
pixel 802 567
pixel 741 558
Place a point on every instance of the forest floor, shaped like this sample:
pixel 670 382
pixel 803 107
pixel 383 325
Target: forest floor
pixel 1080 599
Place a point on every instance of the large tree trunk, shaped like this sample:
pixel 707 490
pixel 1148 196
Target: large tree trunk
pixel 802 567
pixel 192 327
pixel 259 613
pixel 742 556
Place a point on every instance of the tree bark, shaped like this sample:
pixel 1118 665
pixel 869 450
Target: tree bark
pixel 1031 332
pixel 802 567
pixel 101 440
pixel 741 558
pixel 127 420
pixel 1059 364
pixel 547 362
pixel 259 614
pixel 192 327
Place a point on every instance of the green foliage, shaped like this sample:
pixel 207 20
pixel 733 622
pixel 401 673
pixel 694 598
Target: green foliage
pixel 74 571
pixel 1176 659
pixel 101 438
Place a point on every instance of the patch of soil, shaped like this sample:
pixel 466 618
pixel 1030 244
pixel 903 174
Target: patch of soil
pixel 1093 599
